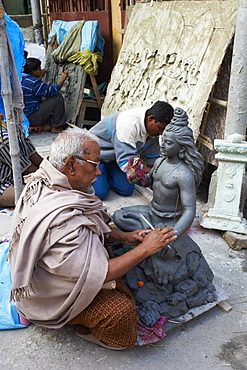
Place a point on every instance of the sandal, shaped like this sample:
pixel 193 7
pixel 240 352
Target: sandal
pixel 86 334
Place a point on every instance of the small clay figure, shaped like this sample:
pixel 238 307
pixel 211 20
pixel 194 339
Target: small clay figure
pixel 178 277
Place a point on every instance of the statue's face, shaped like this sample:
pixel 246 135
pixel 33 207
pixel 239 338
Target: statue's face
pixel 169 146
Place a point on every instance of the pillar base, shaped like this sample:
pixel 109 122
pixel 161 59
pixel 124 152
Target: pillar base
pixel 224 222
pixel 225 215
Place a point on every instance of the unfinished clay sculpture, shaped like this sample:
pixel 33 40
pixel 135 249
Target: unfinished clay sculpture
pixel 178 277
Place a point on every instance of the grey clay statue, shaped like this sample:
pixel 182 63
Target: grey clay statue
pixel 176 278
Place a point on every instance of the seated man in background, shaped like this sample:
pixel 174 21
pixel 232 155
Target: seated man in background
pixel 123 137
pixel 61 270
pixel 44 105
pixel 29 160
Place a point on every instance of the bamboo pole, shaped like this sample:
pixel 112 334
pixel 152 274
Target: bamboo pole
pixel 6 93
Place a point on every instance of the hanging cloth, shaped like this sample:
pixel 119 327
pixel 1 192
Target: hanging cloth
pixel 70 44
pixel 88 60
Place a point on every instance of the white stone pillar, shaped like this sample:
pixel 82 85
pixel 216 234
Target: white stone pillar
pixel 225 215
pixel 237 97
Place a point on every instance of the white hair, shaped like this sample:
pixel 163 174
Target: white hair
pixel 69 143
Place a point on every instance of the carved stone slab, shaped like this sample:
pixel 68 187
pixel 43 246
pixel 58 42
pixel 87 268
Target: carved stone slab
pixel 72 89
pixel 172 51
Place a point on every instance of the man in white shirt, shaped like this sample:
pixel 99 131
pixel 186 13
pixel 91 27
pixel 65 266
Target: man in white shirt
pixel 123 137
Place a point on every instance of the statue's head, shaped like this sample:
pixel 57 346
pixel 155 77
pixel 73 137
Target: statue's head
pixel 178 132
pixel 183 142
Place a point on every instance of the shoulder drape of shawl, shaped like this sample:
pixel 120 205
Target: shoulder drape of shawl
pixel 58 262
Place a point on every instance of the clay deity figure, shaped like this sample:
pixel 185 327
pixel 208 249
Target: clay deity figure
pixel 174 179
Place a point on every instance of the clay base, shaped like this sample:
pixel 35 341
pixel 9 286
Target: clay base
pixel 220 294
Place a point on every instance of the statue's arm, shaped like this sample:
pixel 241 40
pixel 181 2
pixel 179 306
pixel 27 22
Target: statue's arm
pixel 186 184
pixel 187 188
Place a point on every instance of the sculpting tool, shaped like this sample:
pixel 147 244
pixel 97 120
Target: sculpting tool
pixel 151 226
pixel 147 222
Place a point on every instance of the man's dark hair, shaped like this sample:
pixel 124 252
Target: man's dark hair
pixel 162 111
pixel 32 64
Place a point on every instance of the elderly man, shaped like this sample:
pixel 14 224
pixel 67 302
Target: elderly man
pixel 60 267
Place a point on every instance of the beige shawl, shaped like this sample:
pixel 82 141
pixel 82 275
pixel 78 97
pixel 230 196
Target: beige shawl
pixel 57 259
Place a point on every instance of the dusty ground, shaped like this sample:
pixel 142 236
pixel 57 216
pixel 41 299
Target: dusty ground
pixel 214 340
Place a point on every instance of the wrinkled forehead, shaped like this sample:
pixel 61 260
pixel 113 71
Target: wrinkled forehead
pixel 90 147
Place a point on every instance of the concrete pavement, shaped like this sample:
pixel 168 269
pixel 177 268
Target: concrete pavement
pixel 213 340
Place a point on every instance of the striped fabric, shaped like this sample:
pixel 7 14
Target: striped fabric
pixel 34 90
pixel 26 150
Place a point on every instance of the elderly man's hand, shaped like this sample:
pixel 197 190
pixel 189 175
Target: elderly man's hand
pixel 152 243
pixel 135 237
pixel 158 239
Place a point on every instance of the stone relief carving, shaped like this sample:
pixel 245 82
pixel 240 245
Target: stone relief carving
pixel 231 149
pixel 229 193
pixel 171 51
pixel 72 89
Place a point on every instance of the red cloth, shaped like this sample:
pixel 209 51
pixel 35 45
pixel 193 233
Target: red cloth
pixel 134 171
pixel 146 335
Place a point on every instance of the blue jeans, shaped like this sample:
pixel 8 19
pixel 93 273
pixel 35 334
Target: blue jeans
pixel 111 174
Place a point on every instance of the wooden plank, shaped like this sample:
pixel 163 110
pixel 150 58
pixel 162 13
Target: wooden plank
pixel 224 306
pixel 222 103
pixel 203 139
pixel 77 110
pixel 82 113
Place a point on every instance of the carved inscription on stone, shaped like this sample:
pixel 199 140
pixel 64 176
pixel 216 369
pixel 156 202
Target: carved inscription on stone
pixel 171 51
pixel 72 89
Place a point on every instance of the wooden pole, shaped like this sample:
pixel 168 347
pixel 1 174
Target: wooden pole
pixel 6 93
pixel 96 90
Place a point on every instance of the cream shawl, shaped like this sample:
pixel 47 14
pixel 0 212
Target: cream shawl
pixel 57 259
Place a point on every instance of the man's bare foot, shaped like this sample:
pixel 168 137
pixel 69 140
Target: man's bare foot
pixel 46 127
pixel 57 130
